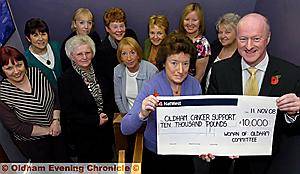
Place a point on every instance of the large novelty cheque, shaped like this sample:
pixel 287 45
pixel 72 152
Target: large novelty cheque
pixel 220 125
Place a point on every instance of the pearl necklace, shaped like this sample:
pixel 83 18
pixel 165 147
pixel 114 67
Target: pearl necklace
pixel 130 74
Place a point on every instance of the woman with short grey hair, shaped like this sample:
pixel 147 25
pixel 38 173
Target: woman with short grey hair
pixel 77 40
pixel 84 106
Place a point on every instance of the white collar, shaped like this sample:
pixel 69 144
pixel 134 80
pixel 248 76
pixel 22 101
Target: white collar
pixel 262 66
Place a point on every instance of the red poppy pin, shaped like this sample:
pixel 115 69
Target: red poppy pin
pixel 275 79
pixel 155 93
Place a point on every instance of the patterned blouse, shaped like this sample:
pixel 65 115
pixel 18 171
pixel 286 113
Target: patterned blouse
pixel 34 108
pixel 203 50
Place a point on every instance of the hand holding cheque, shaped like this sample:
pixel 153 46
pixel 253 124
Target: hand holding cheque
pixel 149 104
pixel 288 103
pixel 218 125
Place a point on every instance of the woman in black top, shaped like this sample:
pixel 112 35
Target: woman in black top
pixel 114 20
pixel 83 97
pixel 223 48
pixel 82 24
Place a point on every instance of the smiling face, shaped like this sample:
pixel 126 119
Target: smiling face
pixel 226 35
pixel 83 24
pixel 156 34
pixel 38 40
pixel 15 72
pixel 116 30
pixel 130 58
pixel 82 56
pixel 191 23
pixel 177 67
pixel 253 36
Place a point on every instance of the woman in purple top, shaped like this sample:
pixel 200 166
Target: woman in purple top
pixel 173 80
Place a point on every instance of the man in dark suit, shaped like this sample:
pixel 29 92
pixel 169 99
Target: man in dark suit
pixel 275 77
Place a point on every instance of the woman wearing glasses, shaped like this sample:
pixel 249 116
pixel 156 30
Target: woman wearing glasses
pixel 130 74
pixel 84 106
pixel 114 20
pixel 82 24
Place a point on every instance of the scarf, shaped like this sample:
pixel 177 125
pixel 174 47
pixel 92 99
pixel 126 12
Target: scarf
pixel 90 80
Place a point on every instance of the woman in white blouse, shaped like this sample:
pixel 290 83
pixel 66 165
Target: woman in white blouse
pixel 130 74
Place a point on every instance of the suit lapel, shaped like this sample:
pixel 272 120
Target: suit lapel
pixel 236 75
pixel 266 87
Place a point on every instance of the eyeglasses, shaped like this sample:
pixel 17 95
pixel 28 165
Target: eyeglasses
pixel 83 54
pixel 255 39
pixel 132 53
pixel 83 22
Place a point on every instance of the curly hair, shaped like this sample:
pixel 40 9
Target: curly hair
pixel 174 43
pixel 114 15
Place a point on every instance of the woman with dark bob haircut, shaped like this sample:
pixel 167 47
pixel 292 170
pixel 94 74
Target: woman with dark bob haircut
pixel 42 53
pixel 172 80
pixel 35 114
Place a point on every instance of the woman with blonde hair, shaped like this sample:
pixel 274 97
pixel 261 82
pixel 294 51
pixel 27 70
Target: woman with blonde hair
pixel 226 45
pixel 82 24
pixel 158 27
pixel 130 74
pixel 192 25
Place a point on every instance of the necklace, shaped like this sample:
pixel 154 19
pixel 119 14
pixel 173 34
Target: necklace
pixel 44 57
pixel 130 74
pixel 195 37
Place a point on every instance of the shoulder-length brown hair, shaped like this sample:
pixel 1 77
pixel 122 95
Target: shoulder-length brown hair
pixel 174 43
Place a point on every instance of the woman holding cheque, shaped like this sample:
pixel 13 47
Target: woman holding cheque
pixel 172 80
